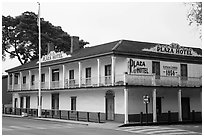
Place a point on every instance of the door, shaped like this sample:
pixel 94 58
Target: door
pixel 28 102
pixel 156 69
pixel 109 105
pixel 185 103
pixel 55 102
pixel 16 103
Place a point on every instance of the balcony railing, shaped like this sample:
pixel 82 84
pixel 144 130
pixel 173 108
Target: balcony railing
pixel 129 79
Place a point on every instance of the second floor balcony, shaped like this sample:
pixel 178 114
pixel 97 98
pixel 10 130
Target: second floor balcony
pixel 125 79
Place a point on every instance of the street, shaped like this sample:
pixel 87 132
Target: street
pixel 25 126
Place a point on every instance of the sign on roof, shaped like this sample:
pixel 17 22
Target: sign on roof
pixel 173 49
pixel 54 56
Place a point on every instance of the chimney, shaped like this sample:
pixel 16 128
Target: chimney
pixel 74 44
pixel 50 47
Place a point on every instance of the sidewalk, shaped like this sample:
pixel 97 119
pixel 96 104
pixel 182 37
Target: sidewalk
pixel 107 125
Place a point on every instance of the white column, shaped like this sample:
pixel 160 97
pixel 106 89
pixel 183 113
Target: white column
pixel 79 74
pixel 29 79
pixel 179 106
pixel 113 70
pixel 63 76
pixel 8 81
pixel 154 95
pixel 50 77
pixel 126 105
pixel 20 81
pixel 24 102
pixel 12 81
pixel 99 72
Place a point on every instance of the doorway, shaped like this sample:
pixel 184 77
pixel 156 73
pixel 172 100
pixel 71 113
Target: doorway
pixel 185 103
pixel 55 102
pixel 110 105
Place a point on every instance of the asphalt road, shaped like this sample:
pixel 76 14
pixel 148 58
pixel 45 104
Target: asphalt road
pixel 25 126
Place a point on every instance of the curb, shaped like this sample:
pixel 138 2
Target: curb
pixel 48 119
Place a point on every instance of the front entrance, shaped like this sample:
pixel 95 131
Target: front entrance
pixel 110 105
pixel 16 103
pixel 185 103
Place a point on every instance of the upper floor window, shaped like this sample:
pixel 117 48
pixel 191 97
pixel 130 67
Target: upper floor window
pixel 156 69
pixel 10 79
pixel 16 78
pixel 24 79
pixel 55 75
pixel 108 70
pixel 184 72
pixel 32 79
pixel 71 74
pixel 42 77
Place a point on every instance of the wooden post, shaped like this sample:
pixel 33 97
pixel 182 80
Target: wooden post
pixel 98 117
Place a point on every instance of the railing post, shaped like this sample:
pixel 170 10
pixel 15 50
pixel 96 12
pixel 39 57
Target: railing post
pixel 45 113
pixel 14 111
pixel 193 116
pixel 31 111
pixel 169 117
pixel 77 116
pixel 20 111
pixel 141 118
pixel 36 112
pixel 52 113
pixel 68 115
pixel 98 117
pixel 3 108
pixel 59 114
pixel 87 116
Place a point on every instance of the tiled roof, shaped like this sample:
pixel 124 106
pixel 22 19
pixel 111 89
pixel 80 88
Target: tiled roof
pixel 116 47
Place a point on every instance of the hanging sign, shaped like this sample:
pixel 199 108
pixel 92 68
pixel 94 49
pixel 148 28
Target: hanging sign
pixel 173 49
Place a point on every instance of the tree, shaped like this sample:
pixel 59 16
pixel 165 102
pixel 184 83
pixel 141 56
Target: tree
pixel 20 37
pixel 194 15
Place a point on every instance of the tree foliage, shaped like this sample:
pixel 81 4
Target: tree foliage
pixel 194 15
pixel 20 37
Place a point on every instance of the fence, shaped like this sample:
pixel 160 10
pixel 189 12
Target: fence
pixel 58 114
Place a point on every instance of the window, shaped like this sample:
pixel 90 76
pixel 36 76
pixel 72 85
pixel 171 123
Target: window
pixel 71 78
pixel 107 74
pixel 16 78
pixel 32 79
pixel 158 106
pixel 156 69
pixel 55 75
pixel 184 72
pixel 42 77
pixel 88 76
pixel 24 79
pixel 73 103
pixel 71 74
pixel 10 80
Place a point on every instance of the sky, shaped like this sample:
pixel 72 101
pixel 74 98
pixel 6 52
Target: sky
pixel 102 22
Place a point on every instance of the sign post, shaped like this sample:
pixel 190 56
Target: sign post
pixel 146 100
